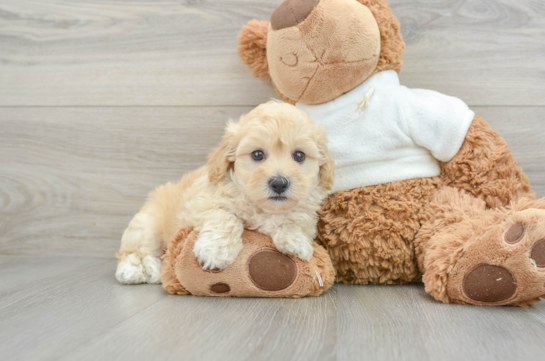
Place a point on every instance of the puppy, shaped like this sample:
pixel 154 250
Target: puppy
pixel 271 171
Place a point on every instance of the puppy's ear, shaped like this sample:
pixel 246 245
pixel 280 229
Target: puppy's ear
pixel 252 48
pixel 327 165
pixel 223 157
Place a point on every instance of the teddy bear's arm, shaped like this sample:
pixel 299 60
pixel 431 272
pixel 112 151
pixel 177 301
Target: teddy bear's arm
pixel 485 168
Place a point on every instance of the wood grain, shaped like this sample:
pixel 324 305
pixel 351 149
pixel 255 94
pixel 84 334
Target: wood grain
pixel 102 100
pixel 85 314
pixel 114 52
pixel 54 305
pixel 72 178
pixel 404 323
pixel 73 309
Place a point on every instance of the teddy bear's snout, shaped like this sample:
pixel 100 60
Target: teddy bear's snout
pixel 291 13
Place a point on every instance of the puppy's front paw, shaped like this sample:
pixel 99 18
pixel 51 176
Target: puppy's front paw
pixel 297 244
pixel 214 252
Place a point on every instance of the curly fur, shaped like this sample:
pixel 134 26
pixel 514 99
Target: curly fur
pixel 392 233
pixel 485 168
pixel 234 190
pixel 369 232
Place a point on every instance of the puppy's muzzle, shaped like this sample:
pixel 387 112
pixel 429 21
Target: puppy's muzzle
pixel 279 184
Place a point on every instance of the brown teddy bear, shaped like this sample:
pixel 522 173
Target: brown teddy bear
pixel 259 270
pixel 424 189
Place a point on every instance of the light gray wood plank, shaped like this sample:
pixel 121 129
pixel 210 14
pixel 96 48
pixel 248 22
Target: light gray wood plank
pixel 404 323
pixel 72 178
pixel 192 328
pixel 84 314
pixel 114 52
pixel 71 313
pixel 18 270
pixel 488 52
pixel 52 311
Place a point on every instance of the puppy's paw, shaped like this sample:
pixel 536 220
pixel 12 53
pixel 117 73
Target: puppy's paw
pixel 133 270
pixel 296 244
pixel 215 252
pixel 152 269
pixel 130 270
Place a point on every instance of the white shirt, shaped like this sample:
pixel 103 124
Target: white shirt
pixel 403 133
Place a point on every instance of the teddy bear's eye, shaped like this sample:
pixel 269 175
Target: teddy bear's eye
pixel 258 155
pixel 299 156
pixel 290 59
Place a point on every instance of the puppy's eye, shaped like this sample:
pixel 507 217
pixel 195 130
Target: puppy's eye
pixel 258 155
pixel 299 157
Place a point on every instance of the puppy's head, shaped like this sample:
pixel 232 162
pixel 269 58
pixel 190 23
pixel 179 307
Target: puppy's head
pixel 276 155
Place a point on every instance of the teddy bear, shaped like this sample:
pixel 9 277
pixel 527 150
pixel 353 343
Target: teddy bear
pixel 259 270
pixel 425 191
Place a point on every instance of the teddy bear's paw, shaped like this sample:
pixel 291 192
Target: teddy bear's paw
pixel 130 270
pixel 505 265
pixel 215 252
pixel 295 244
pixel 152 269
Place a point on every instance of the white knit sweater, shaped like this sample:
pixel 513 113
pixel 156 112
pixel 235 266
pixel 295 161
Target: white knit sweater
pixel 401 135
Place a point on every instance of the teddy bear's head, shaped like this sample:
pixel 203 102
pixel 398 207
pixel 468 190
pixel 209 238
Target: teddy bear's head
pixel 313 51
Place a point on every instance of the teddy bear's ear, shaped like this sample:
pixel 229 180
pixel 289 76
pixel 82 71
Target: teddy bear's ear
pixel 252 48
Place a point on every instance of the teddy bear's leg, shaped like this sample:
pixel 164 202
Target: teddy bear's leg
pixel 259 270
pixel 486 169
pixel 472 255
pixel 168 271
pixel 369 232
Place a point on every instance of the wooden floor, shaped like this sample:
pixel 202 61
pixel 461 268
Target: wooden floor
pixel 74 309
pixel 102 100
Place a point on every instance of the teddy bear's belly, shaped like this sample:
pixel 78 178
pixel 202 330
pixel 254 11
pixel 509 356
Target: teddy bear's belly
pixel 369 232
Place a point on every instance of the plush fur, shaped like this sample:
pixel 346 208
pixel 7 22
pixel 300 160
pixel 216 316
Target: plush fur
pixel 485 168
pixel 182 275
pixel 302 52
pixel 370 232
pixel 233 191
pixel 441 230
pixel 461 232
pixel 252 48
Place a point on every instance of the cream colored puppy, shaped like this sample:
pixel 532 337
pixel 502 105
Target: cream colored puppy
pixel 271 171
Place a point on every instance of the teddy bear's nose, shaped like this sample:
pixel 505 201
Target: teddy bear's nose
pixel 291 13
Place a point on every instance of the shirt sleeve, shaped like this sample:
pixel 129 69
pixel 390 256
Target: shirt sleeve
pixel 436 121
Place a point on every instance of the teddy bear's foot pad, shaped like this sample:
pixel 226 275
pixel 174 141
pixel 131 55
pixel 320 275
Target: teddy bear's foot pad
pixel 259 270
pixel 505 265
pixel 271 270
pixel 488 283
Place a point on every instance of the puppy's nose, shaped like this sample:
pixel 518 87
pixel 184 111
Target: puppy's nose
pixel 279 184
pixel 291 13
